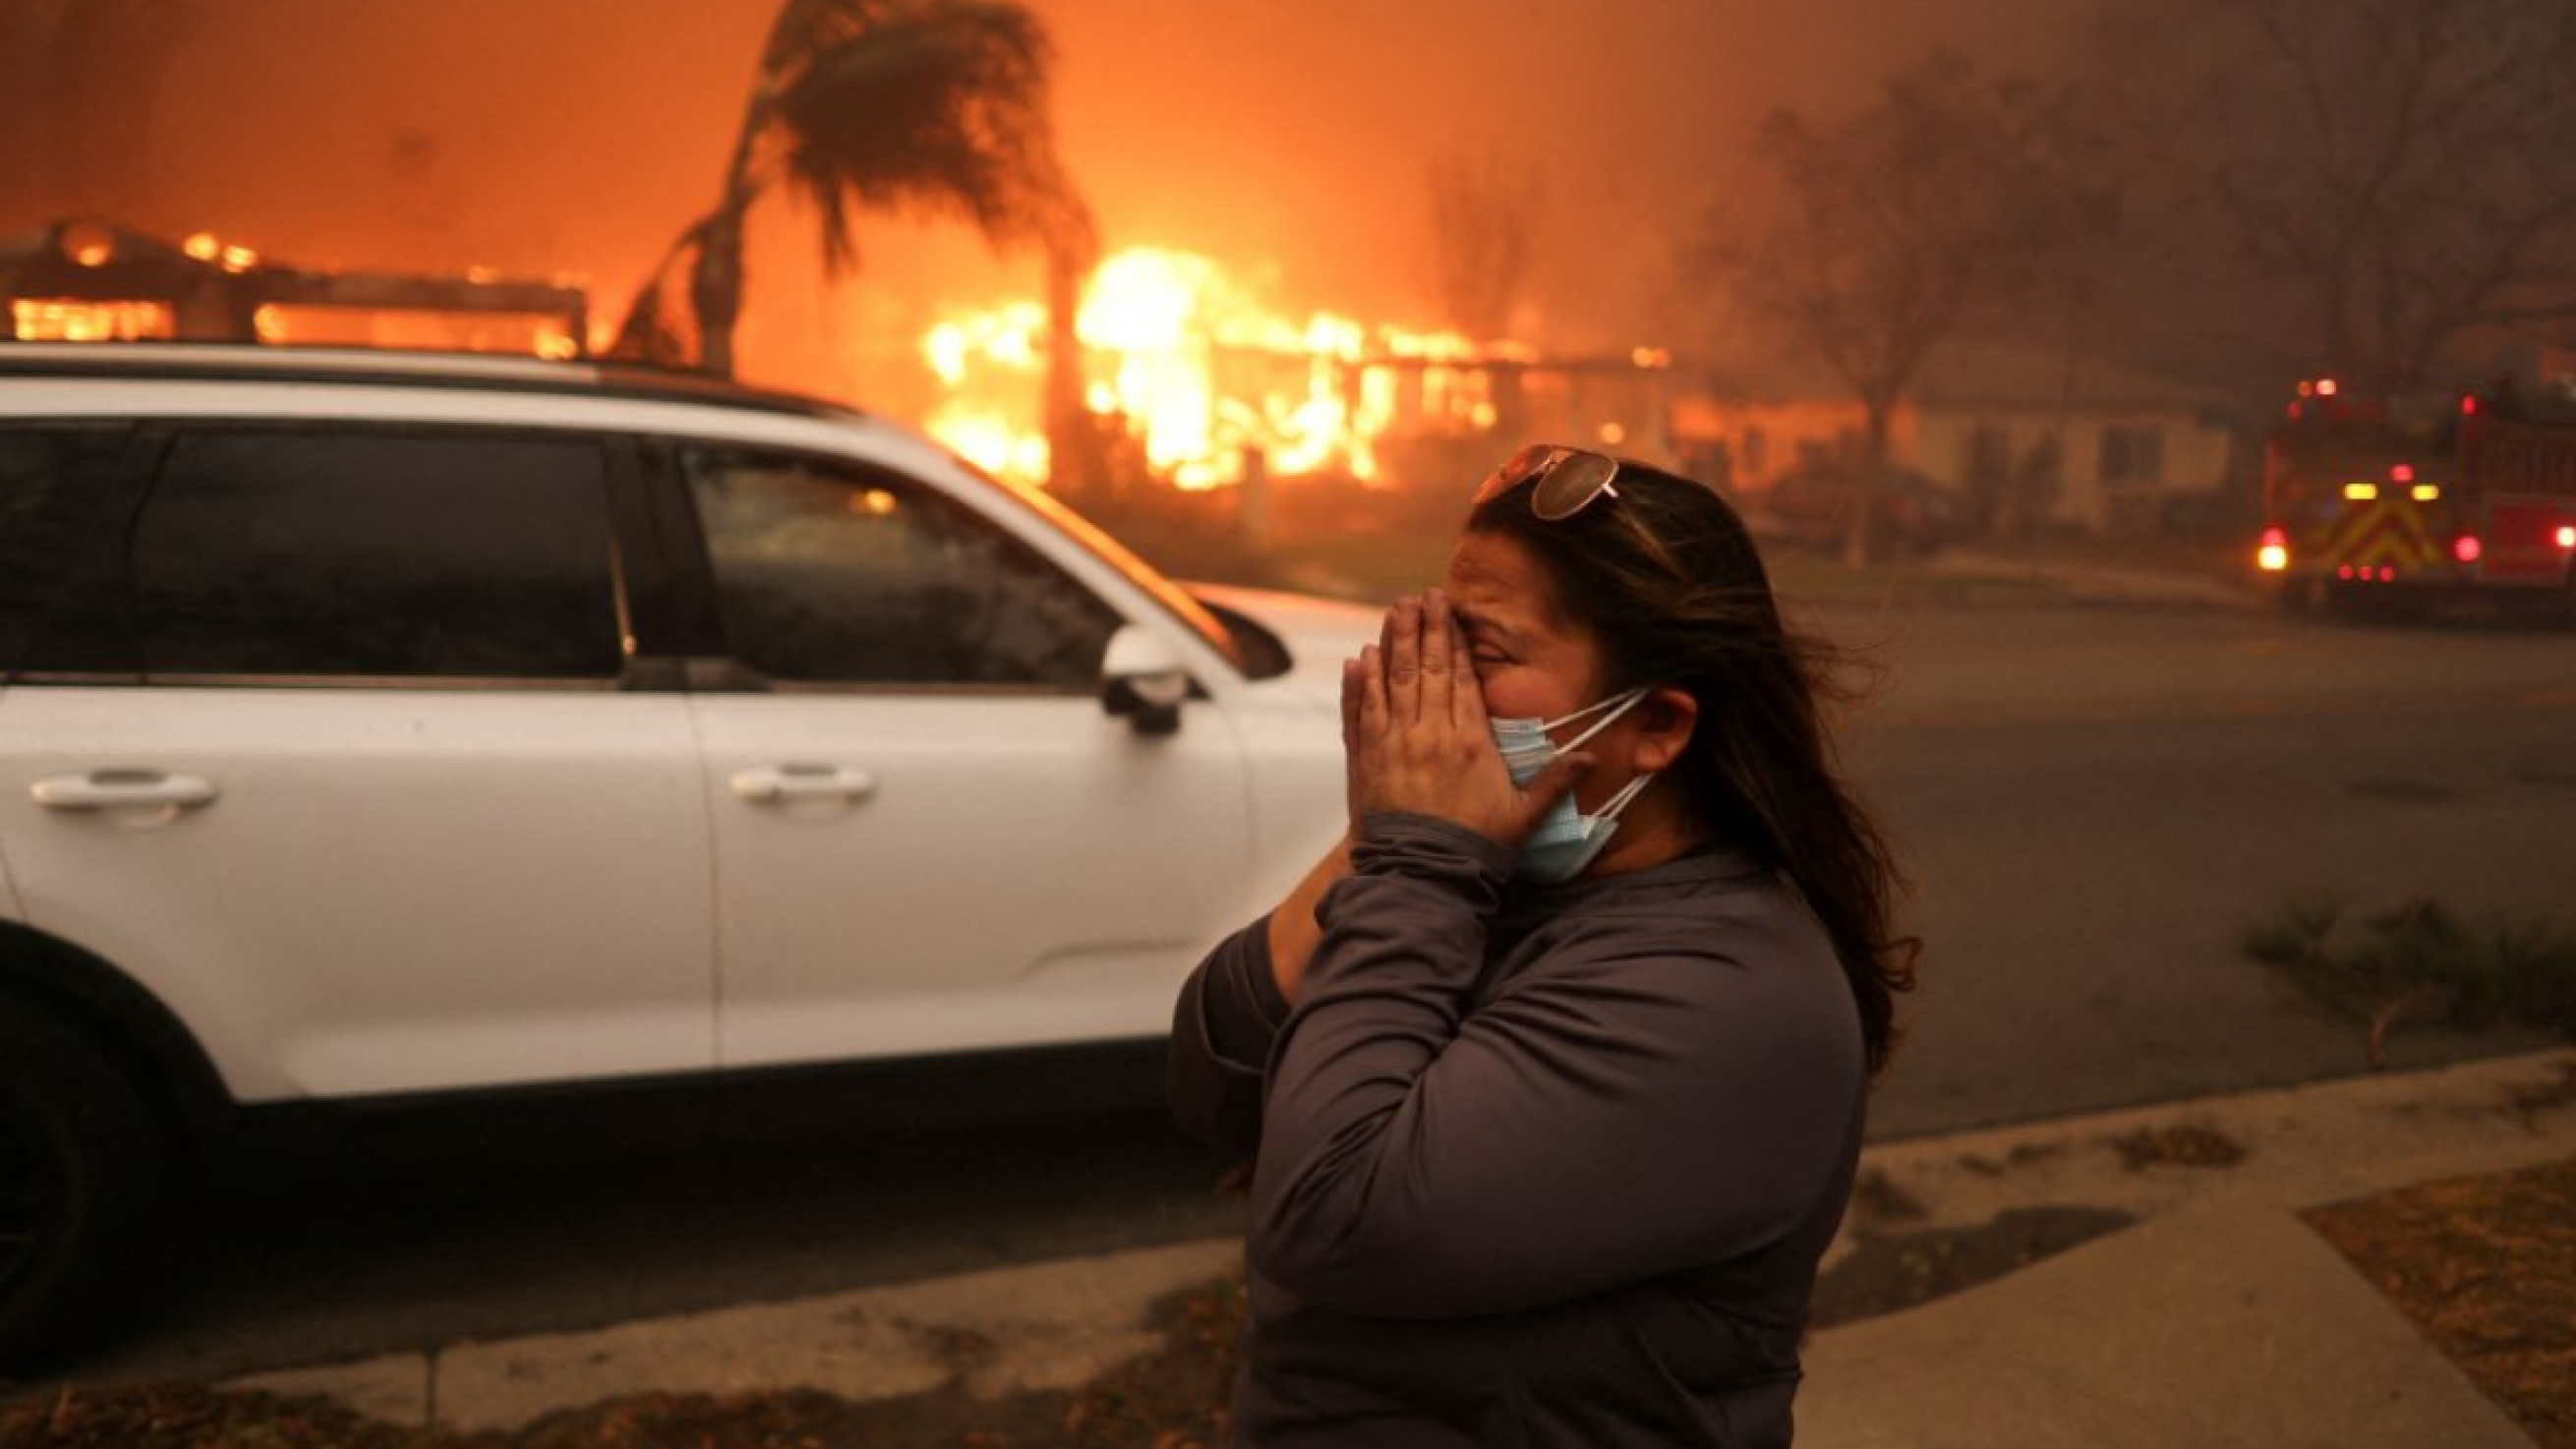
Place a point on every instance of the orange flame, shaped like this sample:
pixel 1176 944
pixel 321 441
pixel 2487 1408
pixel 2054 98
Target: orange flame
pixel 45 319
pixel 1203 372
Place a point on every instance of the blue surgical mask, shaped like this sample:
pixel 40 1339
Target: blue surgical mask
pixel 1566 839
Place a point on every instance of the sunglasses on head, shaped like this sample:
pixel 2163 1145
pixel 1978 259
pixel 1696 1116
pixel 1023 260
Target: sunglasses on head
pixel 1568 479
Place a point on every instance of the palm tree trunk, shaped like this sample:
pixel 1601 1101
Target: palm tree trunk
pixel 715 291
pixel 716 281
pixel 1073 455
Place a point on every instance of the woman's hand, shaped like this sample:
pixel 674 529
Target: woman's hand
pixel 1414 729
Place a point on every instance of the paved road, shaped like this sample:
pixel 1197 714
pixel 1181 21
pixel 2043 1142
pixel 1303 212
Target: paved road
pixel 2097 803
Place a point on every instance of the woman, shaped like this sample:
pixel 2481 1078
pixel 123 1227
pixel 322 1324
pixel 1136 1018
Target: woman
pixel 1555 1070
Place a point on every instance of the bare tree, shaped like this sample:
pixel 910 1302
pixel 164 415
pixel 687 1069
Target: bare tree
pixel 1481 212
pixel 1951 193
pixel 2400 170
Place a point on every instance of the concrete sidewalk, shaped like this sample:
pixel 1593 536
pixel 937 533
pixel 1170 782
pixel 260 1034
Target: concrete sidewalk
pixel 2218 1319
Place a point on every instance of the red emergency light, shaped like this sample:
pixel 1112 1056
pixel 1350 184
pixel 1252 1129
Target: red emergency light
pixel 2466 548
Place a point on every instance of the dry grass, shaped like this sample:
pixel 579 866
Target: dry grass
pixel 2486 1266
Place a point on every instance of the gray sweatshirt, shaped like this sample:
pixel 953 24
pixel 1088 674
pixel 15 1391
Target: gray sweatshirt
pixel 1535 1165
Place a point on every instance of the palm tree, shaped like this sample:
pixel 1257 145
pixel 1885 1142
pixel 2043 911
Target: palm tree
pixel 933 107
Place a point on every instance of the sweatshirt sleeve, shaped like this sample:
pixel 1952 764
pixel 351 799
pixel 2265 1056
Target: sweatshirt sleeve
pixel 1627 1106
pixel 1223 1026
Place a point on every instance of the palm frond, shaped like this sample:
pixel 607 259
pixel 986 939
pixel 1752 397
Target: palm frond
pixel 937 108
pixel 805 28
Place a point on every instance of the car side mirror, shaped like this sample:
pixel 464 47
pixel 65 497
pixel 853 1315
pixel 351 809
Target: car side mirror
pixel 1144 678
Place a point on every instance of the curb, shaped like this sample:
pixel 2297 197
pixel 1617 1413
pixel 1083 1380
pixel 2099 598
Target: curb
pixel 2251 1157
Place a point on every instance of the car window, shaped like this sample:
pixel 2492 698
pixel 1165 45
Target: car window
pixel 826 573
pixel 1184 608
pixel 57 539
pixel 377 554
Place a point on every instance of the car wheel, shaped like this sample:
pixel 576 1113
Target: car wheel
pixel 83 1164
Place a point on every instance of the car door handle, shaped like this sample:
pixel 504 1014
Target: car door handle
pixel 124 790
pixel 787 784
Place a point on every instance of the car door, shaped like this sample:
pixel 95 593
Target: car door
pixel 63 488
pixel 364 801
pixel 929 836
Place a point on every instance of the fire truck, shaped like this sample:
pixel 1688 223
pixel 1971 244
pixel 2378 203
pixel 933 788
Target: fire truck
pixel 2387 503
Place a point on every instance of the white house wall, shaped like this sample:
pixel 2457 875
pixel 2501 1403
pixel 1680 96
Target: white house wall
pixel 2194 463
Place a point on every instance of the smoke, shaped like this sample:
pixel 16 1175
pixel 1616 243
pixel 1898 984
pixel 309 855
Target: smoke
pixel 1289 139
pixel 1300 133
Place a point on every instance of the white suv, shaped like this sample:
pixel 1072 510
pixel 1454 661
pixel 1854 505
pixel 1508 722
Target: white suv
pixel 376 725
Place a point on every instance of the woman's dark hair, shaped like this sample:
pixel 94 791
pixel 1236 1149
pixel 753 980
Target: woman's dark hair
pixel 1666 580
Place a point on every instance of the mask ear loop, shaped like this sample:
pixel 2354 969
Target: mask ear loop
pixel 1611 807
pixel 1617 704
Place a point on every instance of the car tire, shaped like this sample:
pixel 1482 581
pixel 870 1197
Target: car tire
pixel 83 1168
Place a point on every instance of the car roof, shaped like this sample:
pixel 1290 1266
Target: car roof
pixel 180 361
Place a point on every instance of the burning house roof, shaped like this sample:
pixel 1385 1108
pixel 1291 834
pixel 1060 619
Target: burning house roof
pixel 1191 366
pixel 85 280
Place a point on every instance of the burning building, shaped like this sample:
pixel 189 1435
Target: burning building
pixel 1186 376
pixel 90 281
pixel 1204 384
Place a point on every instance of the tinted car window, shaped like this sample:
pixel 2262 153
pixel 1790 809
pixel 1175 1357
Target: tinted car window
pixel 58 529
pixel 835 575
pixel 380 554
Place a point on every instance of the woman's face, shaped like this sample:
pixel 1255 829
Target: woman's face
pixel 1530 660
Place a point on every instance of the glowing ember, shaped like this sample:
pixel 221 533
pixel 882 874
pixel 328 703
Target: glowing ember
pixel 1202 374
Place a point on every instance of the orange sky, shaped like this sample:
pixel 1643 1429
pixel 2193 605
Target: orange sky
pixel 1286 138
